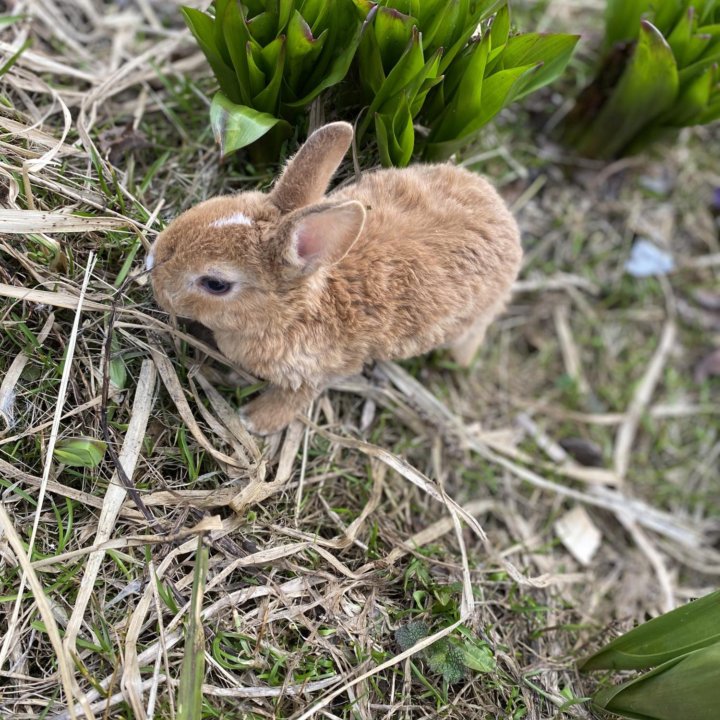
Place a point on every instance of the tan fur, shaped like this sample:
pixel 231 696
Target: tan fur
pixel 324 289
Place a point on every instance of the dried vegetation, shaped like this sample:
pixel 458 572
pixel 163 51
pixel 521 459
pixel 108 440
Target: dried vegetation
pixel 415 493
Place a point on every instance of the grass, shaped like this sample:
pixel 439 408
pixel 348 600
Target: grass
pixel 411 495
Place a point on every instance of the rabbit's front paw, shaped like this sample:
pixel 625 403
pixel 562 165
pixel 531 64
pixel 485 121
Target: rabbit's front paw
pixel 274 410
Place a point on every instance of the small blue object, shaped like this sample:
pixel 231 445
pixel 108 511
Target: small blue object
pixel 647 259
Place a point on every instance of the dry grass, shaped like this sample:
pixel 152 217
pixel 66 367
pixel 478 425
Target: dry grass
pixel 415 492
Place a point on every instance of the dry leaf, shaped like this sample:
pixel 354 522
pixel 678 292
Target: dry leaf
pixel 584 451
pixel 119 141
pixel 579 534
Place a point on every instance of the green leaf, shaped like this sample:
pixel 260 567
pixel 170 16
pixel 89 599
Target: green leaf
pixel 499 90
pixel 550 52
pixel 681 36
pixel 680 631
pixel 467 100
pixel 395 135
pixel 80 452
pixel 410 64
pixel 267 100
pixel 685 687
pixel 444 28
pixel 263 28
pixel 237 37
pixel 285 11
pixel 424 83
pixel 667 14
pixel 337 71
pixel 218 32
pixel 622 20
pixel 691 102
pixel 372 73
pixel 302 50
pixel 479 657
pixel 482 11
pixel 647 88
pixel 393 30
pixel 192 671
pixel 237 126
pixel 313 12
pixel 253 56
pixel 411 634
pixel 202 27
pixel 499 31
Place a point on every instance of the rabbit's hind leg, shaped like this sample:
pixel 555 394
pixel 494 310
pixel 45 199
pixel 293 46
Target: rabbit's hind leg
pixel 468 343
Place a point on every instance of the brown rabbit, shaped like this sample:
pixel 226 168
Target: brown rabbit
pixel 300 288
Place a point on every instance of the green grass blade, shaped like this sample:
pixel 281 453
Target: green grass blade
pixel 192 672
pixel 687 628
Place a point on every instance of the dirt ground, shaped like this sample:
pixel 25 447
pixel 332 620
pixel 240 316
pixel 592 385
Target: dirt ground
pixel 519 513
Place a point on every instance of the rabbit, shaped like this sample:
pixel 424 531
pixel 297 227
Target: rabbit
pixel 301 288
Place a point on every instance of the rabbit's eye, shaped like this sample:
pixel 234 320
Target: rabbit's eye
pixel 215 286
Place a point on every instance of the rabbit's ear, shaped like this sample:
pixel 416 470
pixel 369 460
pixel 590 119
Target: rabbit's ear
pixel 307 175
pixel 322 236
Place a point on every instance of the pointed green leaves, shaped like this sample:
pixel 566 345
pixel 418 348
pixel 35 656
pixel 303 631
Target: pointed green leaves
pixel 684 687
pixel 683 647
pixel 647 88
pixel 271 60
pixel 416 60
pixel 660 78
pixel 680 631
pixel 202 27
pixel 548 53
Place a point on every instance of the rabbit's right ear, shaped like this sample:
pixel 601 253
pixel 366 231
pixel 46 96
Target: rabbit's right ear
pixel 307 175
pixel 322 235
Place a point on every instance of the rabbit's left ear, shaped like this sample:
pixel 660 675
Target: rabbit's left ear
pixel 322 236
pixel 307 175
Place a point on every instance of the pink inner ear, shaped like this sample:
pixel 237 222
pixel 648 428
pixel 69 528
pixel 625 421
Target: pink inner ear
pixel 308 239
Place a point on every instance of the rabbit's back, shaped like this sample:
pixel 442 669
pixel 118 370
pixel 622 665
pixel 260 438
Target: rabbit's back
pixel 439 248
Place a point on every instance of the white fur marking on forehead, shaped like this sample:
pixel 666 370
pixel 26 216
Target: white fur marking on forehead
pixel 237 218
